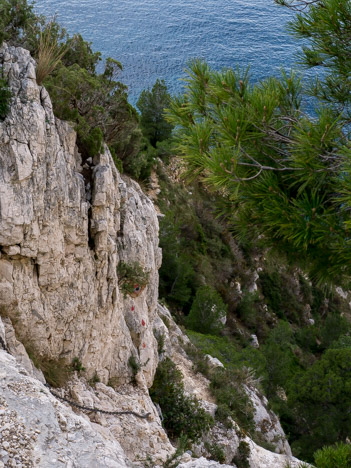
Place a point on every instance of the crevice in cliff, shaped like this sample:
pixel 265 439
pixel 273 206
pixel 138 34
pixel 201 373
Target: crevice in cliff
pixel 91 239
pixel 122 218
pixel 87 171
pixel 36 270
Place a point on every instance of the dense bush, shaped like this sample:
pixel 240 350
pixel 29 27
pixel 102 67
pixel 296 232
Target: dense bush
pixel 280 296
pixel 135 366
pixel 251 314
pixel 216 452
pixel 182 414
pixel 281 362
pixel 229 352
pixel 318 398
pixel 337 456
pixel 232 400
pixel 241 458
pixel 5 96
pixel 197 248
pixel 176 273
pixel 208 312
pixel 226 384
pixel 131 277
pixel 17 20
pixel 96 103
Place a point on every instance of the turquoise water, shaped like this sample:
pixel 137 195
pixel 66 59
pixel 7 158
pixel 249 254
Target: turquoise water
pixel 155 38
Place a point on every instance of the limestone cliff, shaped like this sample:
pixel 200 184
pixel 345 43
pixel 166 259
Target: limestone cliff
pixel 63 231
pixel 65 225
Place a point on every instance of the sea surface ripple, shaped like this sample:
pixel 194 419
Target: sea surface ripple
pixel 155 38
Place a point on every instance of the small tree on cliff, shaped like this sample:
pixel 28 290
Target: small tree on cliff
pixel 208 312
pixel 17 22
pixel 151 105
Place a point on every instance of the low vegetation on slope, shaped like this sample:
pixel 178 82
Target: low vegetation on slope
pixel 299 325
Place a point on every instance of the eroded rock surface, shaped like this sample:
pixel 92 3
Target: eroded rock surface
pixel 36 430
pixel 62 235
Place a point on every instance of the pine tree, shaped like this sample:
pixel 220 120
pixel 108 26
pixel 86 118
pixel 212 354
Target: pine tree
pixel 151 105
pixel 284 174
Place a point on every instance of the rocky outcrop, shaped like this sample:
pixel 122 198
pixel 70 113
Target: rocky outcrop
pixel 62 233
pixel 36 430
pixel 267 423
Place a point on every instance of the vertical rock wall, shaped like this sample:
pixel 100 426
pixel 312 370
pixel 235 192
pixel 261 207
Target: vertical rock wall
pixel 63 230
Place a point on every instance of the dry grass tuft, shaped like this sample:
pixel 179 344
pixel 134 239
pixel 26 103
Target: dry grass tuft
pixel 50 52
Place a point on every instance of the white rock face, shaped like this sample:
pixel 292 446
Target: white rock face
pixel 267 422
pixel 62 236
pixel 38 431
pixel 213 362
pixel 203 463
pixel 139 438
pixel 254 341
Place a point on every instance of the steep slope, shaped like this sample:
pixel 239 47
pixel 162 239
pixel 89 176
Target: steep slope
pixel 65 227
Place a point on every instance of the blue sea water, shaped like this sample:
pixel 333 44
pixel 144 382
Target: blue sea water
pixel 155 38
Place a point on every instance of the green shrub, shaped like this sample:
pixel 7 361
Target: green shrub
pixel 318 397
pixel 343 342
pixel 5 96
pixel 94 380
pixel 182 414
pixel 173 460
pixel 228 352
pixel 135 365
pixel 200 362
pixel 118 162
pixel 131 276
pixel 306 337
pixel 17 19
pixel 336 456
pixel 241 459
pixel 89 140
pixel 278 291
pixel 248 310
pixel 216 452
pixel 139 166
pixel 165 150
pixel 208 311
pixel 160 338
pixel 97 105
pixel 77 365
pixel 333 327
pixel 223 415
pixel 232 399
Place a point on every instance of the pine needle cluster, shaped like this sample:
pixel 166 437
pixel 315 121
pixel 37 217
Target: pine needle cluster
pixel 283 169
